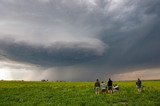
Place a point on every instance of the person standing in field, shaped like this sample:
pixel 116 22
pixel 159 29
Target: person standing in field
pixel 97 86
pixel 110 86
pixel 139 85
pixel 103 86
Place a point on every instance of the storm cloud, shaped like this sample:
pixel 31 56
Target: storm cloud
pixel 81 39
pixel 57 54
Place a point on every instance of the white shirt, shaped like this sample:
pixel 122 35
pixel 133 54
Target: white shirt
pixel 103 86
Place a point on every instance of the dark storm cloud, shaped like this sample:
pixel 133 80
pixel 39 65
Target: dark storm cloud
pixel 102 36
pixel 57 54
pixel 134 39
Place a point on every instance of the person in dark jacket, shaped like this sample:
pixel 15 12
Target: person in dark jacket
pixel 139 85
pixel 110 82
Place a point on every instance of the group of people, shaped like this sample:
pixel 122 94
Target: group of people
pixel 109 88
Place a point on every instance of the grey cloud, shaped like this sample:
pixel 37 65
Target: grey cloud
pixel 104 36
pixel 58 54
pixel 135 43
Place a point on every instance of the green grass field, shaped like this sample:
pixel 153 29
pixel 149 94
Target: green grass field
pixel 21 93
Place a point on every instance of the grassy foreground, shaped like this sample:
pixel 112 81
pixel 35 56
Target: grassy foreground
pixel 19 93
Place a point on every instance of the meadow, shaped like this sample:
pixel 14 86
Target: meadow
pixel 25 93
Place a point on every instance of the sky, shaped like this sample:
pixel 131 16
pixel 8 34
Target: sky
pixel 79 40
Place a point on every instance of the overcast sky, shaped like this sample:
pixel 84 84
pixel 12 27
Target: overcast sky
pixel 79 40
